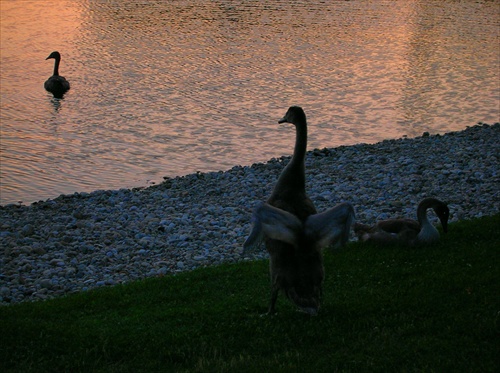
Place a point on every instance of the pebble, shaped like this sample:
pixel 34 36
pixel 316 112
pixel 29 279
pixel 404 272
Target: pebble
pixel 86 240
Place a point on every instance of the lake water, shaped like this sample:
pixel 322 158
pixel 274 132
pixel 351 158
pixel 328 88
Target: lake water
pixel 167 88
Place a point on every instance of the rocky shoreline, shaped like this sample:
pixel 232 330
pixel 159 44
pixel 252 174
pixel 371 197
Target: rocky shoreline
pixel 86 240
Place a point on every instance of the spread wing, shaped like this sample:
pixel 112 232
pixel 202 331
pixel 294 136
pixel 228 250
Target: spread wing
pixel 332 226
pixel 274 223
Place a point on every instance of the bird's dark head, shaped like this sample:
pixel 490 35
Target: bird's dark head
pixel 55 55
pixel 443 213
pixel 294 115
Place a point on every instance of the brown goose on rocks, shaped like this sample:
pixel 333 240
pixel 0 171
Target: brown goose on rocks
pixel 407 232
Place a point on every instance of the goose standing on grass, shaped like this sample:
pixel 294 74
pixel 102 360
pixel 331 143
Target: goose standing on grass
pixel 407 232
pixel 293 232
pixel 56 84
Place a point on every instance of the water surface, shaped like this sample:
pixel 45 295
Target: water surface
pixel 170 88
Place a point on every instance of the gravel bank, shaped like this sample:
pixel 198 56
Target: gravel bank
pixel 86 240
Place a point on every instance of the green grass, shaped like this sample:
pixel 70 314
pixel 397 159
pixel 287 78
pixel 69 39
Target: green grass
pixel 430 309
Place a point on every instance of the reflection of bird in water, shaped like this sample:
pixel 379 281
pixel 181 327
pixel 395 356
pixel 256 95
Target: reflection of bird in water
pixel 56 84
pixel 56 103
pixel 407 232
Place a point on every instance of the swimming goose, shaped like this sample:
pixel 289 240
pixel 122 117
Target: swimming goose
pixel 407 231
pixel 56 84
pixel 293 232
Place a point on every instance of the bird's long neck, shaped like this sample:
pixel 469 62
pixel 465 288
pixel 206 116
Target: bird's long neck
pixel 292 178
pixel 428 233
pixel 56 66
pixel 299 151
pixel 422 211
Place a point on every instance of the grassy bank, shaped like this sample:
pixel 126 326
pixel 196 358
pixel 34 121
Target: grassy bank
pixel 384 309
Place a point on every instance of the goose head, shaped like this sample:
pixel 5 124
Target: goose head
pixel 443 213
pixel 55 55
pixel 294 115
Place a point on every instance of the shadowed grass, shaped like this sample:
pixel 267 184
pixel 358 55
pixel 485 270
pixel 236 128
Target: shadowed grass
pixel 384 309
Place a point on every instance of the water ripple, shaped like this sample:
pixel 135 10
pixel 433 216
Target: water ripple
pixel 170 88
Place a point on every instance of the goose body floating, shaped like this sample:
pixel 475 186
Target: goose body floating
pixel 407 232
pixel 293 232
pixel 56 84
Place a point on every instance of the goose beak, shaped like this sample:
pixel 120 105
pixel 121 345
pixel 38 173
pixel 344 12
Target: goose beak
pixel 444 223
pixel 282 120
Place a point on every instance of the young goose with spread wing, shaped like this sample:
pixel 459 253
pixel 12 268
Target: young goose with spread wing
pixel 293 232
pixel 56 84
pixel 405 231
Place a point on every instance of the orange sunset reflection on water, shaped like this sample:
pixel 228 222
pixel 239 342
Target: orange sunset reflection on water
pixel 171 88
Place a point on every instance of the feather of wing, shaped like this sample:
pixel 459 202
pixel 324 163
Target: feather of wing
pixel 398 225
pixel 254 240
pixel 273 223
pixel 331 226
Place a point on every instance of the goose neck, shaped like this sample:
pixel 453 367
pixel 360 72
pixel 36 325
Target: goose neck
pixel 422 214
pixel 428 233
pixel 56 66
pixel 299 151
